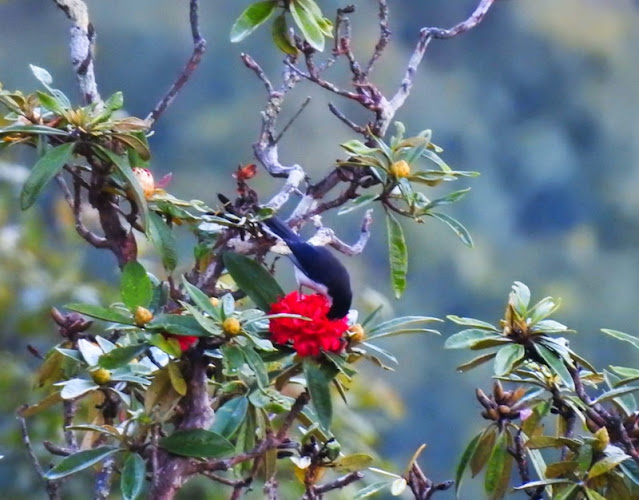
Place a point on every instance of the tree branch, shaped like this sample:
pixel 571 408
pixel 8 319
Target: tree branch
pixel 81 45
pixel 425 37
pixel 199 47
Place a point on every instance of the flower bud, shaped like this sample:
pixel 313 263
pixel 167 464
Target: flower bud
pixel 101 376
pixel 146 181
pixel 333 449
pixel 602 440
pixel 142 316
pixel 504 409
pixel 214 301
pixel 400 169
pixel 356 333
pixel 231 326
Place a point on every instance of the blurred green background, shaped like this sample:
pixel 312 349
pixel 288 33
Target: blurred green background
pixel 542 99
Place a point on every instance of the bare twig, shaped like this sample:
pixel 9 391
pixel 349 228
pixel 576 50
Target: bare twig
pixel 340 482
pixel 265 148
pixel 54 449
pixel 422 487
pixel 52 487
pixel 342 117
pixel 603 417
pixel 425 37
pixel 75 203
pixel 81 46
pixel 326 236
pixel 70 438
pixel 384 37
pixel 103 479
pixel 199 47
pixel 292 120
pixel 270 489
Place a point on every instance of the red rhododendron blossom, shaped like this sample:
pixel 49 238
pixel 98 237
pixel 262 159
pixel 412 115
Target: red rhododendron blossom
pixel 185 341
pixel 309 338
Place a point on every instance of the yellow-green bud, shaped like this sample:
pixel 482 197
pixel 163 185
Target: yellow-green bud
pixel 142 316
pixel 400 169
pixel 231 326
pixel 101 376
pixel 356 333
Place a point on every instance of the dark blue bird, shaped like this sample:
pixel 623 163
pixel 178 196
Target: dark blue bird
pixel 317 268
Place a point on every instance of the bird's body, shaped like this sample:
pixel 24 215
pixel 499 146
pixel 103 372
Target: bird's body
pixel 317 268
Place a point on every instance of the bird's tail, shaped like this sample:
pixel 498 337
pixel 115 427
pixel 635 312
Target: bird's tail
pixel 278 227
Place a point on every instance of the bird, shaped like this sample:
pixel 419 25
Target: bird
pixel 317 268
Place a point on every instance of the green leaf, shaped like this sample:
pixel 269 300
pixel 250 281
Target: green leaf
pixel 45 169
pixel 520 297
pixel 396 325
pixel 100 312
pixel 229 417
pixel 177 325
pixel 342 365
pixel 542 309
pixel 279 32
pixel 556 364
pixel 51 103
pixel 200 299
pixel 614 393
pixel 32 129
pixel 475 323
pixel 446 200
pixel 353 463
pixel 121 163
pixel 135 286
pixel 543 482
pixel 482 452
pixel 358 202
pixel 622 336
pixel 121 356
pixel 630 470
pixel 318 380
pixel 606 464
pixel 132 477
pixel 357 147
pixel 475 362
pixel 43 76
pixel 627 402
pixel 507 358
pixel 79 461
pixel 257 365
pixel 162 238
pixel 209 324
pixel 398 254
pixel 498 468
pixel 593 494
pixel 308 25
pixel 114 102
pixel 76 387
pixel 254 15
pixel 371 489
pixel 197 443
pixel 253 279
pixel 464 460
pixel 468 338
pixel 461 232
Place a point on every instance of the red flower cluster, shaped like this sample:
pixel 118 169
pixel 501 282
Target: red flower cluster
pixel 185 341
pixel 308 337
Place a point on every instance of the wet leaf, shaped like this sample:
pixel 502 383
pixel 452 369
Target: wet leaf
pixel 197 443
pixel 80 461
pixel 249 20
pixel 45 169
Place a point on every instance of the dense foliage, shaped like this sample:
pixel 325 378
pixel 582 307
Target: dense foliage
pixel 219 372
